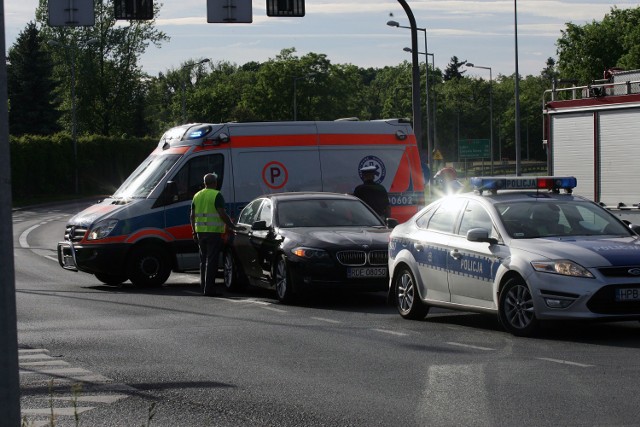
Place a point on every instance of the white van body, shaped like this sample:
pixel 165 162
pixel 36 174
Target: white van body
pixel 142 231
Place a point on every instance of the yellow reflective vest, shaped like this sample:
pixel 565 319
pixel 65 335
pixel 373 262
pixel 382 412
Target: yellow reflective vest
pixel 207 219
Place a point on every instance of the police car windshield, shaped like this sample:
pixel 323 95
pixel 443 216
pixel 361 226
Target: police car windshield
pixel 146 176
pixel 325 213
pixel 554 218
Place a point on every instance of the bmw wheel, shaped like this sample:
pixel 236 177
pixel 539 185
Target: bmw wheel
pixel 148 266
pixel 283 283
pixel 233 278
pixel 407 299
pixel 516 311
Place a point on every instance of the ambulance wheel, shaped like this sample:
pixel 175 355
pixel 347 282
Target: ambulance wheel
pixel 407 298
pixel 516 311
pixel 110 279
pixel 148 266
pixel 282 281
pixel 234 279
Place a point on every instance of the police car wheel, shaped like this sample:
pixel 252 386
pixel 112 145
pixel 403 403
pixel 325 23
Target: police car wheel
pixel 233 278
pixel 516 311
pixel 148 266
pixel 282 279
pixel 407 299
pixel 110 279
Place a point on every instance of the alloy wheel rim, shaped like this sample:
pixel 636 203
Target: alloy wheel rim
pixel 281 279
pixel 519 307
pixel 405 293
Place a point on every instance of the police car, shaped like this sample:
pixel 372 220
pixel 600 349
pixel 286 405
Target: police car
pixel 525 249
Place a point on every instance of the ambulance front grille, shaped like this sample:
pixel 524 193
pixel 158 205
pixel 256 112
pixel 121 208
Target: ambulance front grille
pixel 74 234
pixel 355 258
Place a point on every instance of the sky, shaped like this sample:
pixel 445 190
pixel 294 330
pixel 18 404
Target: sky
pixel 356 32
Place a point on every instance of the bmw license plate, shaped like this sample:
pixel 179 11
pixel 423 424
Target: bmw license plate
pixel 628 294
pixel 366 272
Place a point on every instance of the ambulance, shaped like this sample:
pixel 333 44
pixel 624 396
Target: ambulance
pixel 142 232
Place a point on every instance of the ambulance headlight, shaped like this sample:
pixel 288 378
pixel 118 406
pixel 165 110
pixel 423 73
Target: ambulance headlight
pixel 310 253
pixel 563 267
pixel 102 229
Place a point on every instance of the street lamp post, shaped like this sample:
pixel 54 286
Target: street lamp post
pixel 71 53
pixel 415 70
pixel 517 89
pixel 295 93
pixel 184 87
pixel 490 109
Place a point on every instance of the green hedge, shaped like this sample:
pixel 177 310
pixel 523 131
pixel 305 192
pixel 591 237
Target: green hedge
pixel 43 166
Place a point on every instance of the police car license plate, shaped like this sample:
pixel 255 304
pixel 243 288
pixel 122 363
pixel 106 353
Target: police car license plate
pixel 628 294
pixel 366 272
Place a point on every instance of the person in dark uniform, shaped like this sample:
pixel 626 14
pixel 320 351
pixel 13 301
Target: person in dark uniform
pixel 373 194
pixel 208 220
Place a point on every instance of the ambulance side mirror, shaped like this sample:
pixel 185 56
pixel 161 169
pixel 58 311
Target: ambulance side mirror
pixel 171 192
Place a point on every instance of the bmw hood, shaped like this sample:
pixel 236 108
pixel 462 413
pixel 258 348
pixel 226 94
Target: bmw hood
pixel 587 251
pixel 345 237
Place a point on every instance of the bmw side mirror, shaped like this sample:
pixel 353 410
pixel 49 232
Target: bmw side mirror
pixel 391 222
pixel 259 226
pixel 480 235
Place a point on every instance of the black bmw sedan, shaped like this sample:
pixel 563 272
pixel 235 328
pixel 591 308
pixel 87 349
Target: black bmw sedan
pixel 292 242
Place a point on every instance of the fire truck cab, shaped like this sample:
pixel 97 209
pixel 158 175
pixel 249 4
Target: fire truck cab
pixel 142 232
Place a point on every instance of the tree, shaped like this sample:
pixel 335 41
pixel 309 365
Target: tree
pixel 31 86
pixel 584 52
pixel 110 84
pixel 452 72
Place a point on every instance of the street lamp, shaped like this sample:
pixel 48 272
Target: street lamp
pixel 431 140
pixel 184 87
pixel 517 88
pixel 469 64
pixel 295 95
pixel 71 54
pixel 426 49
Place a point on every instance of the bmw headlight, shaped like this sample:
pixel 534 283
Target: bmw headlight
pixel 102 229
pixel 310 253
pixel 563 267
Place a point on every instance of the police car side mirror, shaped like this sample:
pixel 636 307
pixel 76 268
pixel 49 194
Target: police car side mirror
pixel 480 235
pixel 391 222
pixel 635 228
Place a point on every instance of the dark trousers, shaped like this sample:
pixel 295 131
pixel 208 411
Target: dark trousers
pixel 210 245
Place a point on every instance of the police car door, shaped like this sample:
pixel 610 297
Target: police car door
pixel 472 265
pixel 430 248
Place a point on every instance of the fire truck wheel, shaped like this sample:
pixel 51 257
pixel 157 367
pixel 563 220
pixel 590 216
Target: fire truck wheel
pixel 110 279
pixel 148 266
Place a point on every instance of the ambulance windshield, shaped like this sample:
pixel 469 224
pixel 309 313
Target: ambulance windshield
pixel 147 176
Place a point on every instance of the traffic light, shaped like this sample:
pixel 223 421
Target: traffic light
pixel 285 7
pixel 133 9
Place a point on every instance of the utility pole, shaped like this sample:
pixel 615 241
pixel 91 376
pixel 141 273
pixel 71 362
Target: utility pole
pixel 9 379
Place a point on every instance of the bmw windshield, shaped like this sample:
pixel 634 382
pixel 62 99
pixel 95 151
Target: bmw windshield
pixel 146 176
pixel 326 213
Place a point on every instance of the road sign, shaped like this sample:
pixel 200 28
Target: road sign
pixel 473 149
pixel 71 13
pixel 437 155
pixel 229 12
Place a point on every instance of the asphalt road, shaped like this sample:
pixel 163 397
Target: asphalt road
pixel 95 355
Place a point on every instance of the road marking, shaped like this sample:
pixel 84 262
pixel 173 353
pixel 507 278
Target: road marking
pixel 386 331
pixel 322 319
pixel 54 362
pixel 565 362
pixel 62 412
pixel 277 310
pixel 23 237
pixel 94 398
pixel 475 347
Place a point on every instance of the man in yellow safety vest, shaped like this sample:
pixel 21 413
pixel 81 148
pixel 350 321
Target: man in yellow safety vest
pixel 208 220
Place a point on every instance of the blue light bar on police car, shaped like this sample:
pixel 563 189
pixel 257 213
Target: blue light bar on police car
pixel 553 183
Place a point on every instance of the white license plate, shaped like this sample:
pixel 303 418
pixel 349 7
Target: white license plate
pixel 628 294
pixel 365 272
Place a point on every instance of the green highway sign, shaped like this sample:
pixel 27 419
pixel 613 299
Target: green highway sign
pixel 473 149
